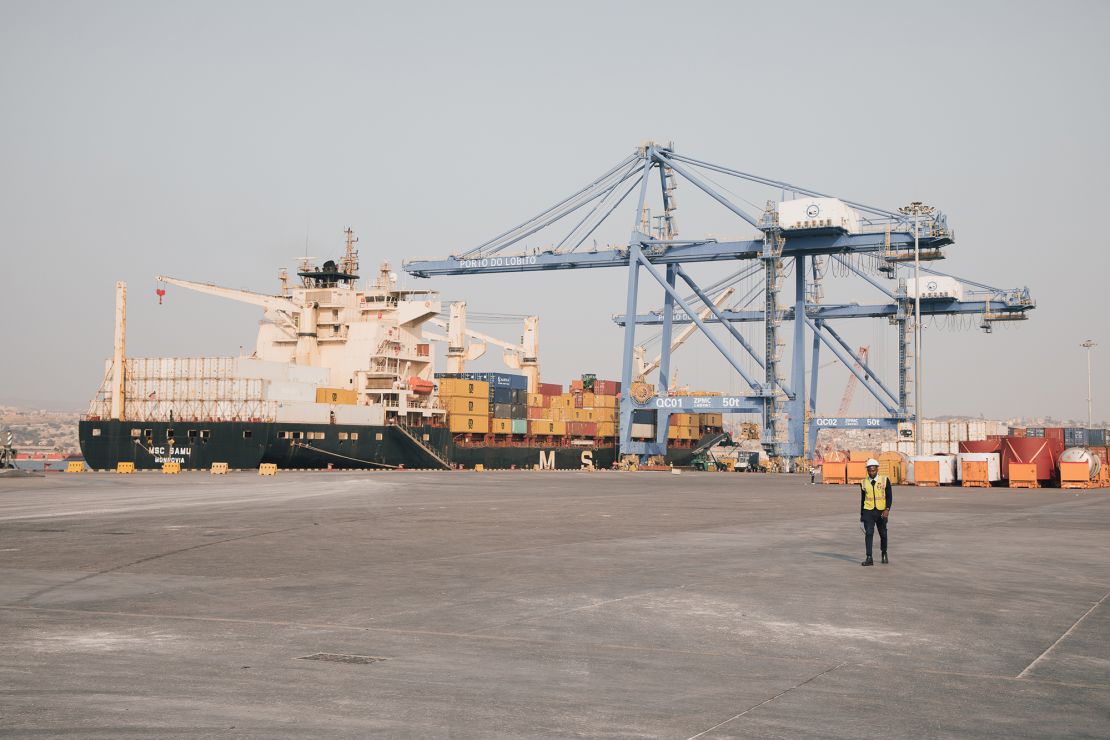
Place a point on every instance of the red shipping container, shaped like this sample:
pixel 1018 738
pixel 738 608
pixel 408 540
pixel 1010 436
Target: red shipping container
pixel 1041 451
pixel 550 389
pixel 607 387
pixel 989 445
pixel 537 412
pixel 575 385
pixel 1054 433
pixel 582 428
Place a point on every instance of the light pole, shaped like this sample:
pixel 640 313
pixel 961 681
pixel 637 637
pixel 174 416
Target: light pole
pixel 917 209
pixel 1088 345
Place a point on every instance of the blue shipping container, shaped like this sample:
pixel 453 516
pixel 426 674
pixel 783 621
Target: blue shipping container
pixel 501 395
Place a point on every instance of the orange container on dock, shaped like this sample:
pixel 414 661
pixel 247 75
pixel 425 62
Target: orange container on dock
pixel 834 472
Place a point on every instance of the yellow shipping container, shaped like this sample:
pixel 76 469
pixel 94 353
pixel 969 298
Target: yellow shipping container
pixel 463 423
pixel 582 415
pixel 535 399
pixel 588 398
pixel 543 428
pixel 606 402
pixel 451 387
pixel 501 426
pixel 336 395
pixel 861 455
pixel 606 414
pixel 566 401
pixel 560 413
pixel 466 406
pixel 712 420
pixel 606 429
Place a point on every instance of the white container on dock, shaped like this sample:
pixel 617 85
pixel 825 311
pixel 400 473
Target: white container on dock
pixel 992 459
pixel 946 468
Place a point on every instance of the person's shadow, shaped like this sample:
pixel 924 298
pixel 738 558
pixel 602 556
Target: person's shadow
pixel 836 555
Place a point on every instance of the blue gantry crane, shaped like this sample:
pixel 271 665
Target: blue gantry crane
pixel 809 231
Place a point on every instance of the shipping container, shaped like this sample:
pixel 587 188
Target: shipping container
pixel 993 461
pixel 544 428
pixel 463 424
pixel 519 411
pixel 502 395
pixel 1075 437
pixel 605 414
pixel 496 380
pixel 607 387
pixel 712 420
pixel 563 402
pixel 1034 431
pixel 550 389
pixel 1015 432
pixel 538 412
pixel 452 387
pixel 643 431
pixel 606 429
pixel 608 402
pixel 583 415
pixel 1097 437
pixel 582 428
pixel 501 426
pixel 559 413
pixel 336 395
pixel 466 406
pixel 502 410
pixel 520 426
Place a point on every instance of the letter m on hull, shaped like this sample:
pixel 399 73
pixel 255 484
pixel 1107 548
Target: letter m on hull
pixel 547 460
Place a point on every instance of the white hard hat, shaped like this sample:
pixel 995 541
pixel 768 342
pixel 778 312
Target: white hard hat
pixel 872 462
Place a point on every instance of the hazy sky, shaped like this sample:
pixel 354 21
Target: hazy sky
pixel 205 140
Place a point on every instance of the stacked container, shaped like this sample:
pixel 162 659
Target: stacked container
pixel 467 403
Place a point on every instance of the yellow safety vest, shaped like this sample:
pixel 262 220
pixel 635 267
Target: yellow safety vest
pixel 874 497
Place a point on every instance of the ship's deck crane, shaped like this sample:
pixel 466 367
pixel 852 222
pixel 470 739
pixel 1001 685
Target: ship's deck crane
pixel 523 356
pixel 799 228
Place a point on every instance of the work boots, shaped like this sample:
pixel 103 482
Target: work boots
pixel 869 561
pixel 885 560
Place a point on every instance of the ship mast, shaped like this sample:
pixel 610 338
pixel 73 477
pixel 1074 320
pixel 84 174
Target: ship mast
pixel 349 263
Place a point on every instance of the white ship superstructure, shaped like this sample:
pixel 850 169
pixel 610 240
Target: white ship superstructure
pixel 326 351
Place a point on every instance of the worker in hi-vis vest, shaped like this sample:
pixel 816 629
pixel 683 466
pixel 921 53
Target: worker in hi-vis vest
pixel 876 497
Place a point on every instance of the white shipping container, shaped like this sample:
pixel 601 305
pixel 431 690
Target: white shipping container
pixel 643 431
pixel 947 468
pixel 372 415
pixel 303 413
pixel 818 213
pixel 992 459
pixel 957 431
pixel 284 390
pixel 977 431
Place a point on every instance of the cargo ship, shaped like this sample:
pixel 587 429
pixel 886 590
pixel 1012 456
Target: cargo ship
pixel 344 377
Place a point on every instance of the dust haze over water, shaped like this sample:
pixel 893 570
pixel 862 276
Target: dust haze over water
pixel 206 140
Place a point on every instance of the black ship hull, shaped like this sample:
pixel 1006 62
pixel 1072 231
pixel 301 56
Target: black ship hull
pixel 196 445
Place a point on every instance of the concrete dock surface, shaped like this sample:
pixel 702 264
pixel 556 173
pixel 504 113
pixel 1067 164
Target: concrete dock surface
pixel 554 604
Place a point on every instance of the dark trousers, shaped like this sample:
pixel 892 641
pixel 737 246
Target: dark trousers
pixel 871 520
